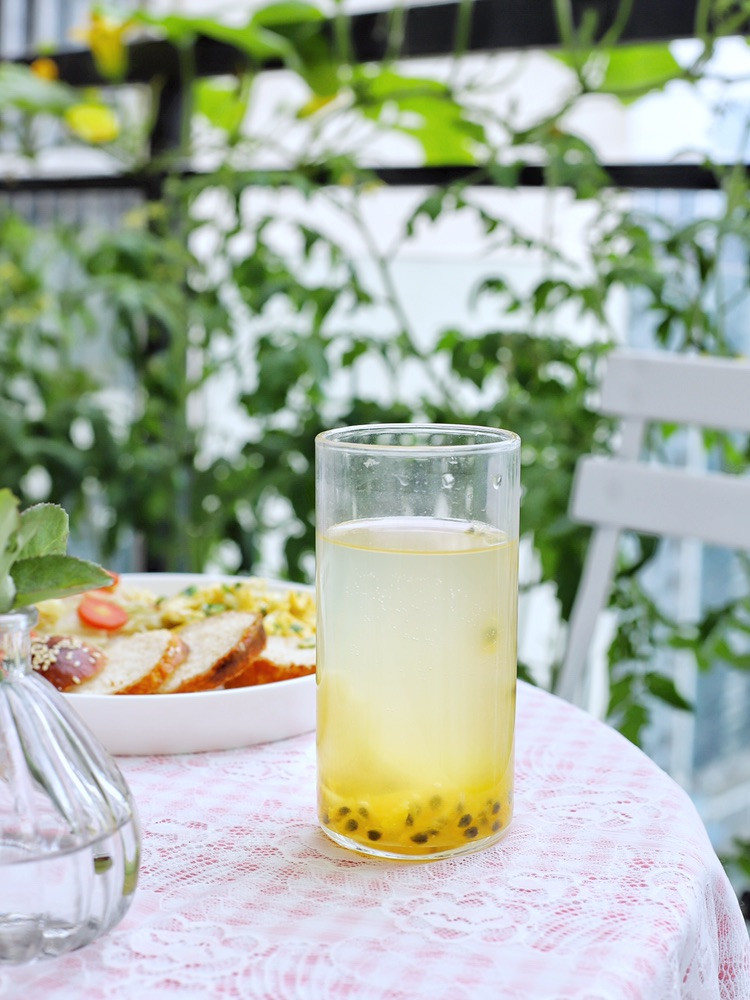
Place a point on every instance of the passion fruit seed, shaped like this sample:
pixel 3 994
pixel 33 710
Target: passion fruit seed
pixel 357 821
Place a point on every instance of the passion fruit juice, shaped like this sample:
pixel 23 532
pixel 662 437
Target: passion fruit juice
pixel 416 685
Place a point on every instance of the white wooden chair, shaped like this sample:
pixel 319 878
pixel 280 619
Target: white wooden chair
pixel 624 492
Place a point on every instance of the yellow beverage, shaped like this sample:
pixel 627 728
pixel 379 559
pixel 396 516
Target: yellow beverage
pixel 416 684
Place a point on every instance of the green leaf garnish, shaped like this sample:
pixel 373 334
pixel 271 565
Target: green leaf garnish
pixel 33 563
pixel 10 522
pixel 7 591
pixel 42 577
pixel 44 531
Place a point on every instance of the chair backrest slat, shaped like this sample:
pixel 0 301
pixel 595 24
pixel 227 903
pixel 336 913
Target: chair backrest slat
pixel 623 493
pixel 684 389
pixel 713 507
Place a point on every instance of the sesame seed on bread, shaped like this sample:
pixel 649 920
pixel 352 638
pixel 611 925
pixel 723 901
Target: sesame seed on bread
pixel 66 660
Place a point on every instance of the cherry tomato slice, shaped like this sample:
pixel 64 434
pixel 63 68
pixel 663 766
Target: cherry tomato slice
pixel 98 612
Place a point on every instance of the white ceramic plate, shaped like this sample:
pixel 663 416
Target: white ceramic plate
pixel 203 720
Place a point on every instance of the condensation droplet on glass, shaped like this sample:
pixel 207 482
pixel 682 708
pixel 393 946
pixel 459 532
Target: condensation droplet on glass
pixel 448 480
pixel 497 482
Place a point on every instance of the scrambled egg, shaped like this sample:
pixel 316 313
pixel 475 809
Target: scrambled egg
pixel 285 612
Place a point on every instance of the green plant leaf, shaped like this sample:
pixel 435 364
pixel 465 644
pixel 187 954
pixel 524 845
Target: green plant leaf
pixel 307 48
pixel 44 531
pixel 738 856
pixel 10 523
pixel 288 12
pixel 635 70
pixel 22 89
pixel 626 71
pixel 425 109
pixel 252 38
pixel 664 689
pixel 42 577
pixel 633 721
pixel 7 592
pixel 221 103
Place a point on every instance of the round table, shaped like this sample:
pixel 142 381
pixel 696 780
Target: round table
pixel 605 888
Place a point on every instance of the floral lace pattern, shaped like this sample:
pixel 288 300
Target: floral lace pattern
pixel 605 888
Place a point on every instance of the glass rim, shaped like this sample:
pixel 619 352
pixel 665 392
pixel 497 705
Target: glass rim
pixel 346 438
pixel 27 614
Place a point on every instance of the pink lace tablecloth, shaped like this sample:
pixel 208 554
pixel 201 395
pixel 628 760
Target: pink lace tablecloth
pixel 605 888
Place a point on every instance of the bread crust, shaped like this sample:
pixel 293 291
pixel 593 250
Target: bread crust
pixel 175 653
pixel 223 669
pixel 138 664
pixel 281 660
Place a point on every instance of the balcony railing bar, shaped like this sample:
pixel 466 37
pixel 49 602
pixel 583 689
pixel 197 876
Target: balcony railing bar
pixel 429 30
pixel 645 176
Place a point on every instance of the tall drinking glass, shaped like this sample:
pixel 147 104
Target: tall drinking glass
pixel 417 584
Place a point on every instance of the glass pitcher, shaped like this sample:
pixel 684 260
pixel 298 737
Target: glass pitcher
pixel 69 834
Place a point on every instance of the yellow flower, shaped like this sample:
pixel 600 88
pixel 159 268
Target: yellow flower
pixel 315 104
pixel 93 122
pixel 20 315
pixel 144 215
pixel 45 69
pixel 106 38
pixel 9 274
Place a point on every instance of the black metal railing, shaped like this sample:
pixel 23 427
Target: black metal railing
pixel 426 31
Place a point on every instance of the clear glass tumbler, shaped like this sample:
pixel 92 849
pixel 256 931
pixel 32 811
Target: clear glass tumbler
pixel 417 587
pixel 69 836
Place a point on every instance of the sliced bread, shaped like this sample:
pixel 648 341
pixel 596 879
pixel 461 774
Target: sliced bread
pixel 66 660
pixel 220 647
pixel 138 663
pixel 281 659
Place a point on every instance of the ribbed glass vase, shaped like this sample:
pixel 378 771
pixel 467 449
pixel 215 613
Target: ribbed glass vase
pixel 69 835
